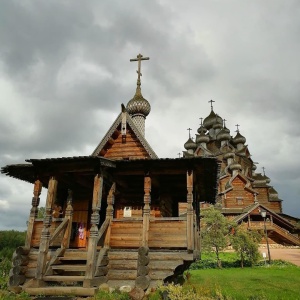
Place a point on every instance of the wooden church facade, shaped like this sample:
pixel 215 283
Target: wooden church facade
pixel 120 216
pixel 243 194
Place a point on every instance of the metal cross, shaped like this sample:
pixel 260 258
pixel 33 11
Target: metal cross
pixel 179 154
pixel 264 170
pixel 224 124
pixel 211 102
pixel 189 129
pixel 201 121
pixel 237 127
pixel 139 58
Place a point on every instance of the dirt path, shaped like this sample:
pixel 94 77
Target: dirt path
pixel 289 254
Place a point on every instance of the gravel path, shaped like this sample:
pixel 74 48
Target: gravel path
pixel 289 254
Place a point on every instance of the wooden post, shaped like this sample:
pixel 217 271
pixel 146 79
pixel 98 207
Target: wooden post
pixel 33 212
pixel 110 213
pixel 189 185
pixel 93 240
pixel 68 215
pixel 146 210
pixel 45 236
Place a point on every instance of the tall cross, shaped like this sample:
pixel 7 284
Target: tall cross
pixel 201 121
pixel 139 58
pixel 211 102
pixel 264 170
pixel 237 127
pixel 189 129
pixel 224 124
pixel 179 154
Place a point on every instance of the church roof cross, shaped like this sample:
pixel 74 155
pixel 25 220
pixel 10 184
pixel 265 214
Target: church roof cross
pixel 201 119
pixel 139 59
pixel 211 104
pixel 224 123
pixel 189 129
pixel 264 170
pixel 237 127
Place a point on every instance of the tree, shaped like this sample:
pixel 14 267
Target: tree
pixel 245 243
pixel 214 232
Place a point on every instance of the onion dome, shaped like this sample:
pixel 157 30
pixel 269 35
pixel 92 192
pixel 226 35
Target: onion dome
pixel 254 167
pixel 228 155
pixel 239 139
pixel 223 135
pixel 211 120
pixel 235 166
pixel 202 138
pixel 190 145
pixel 202 129
pixel 138 104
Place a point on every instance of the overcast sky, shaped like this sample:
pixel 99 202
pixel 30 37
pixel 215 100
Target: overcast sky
pixel 65 70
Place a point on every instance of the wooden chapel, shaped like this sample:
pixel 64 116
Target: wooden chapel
pixel 120 216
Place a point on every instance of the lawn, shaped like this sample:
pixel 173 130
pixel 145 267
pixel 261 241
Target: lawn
pixel 275 282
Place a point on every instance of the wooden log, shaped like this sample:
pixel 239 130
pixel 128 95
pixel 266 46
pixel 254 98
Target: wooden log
pixel 22 250
pixel 16 280
pixel 17 270
pixel 142 282
pixel 142 270
pixel 102 271
pixel 20 260
pixel 143 260
pixel 143 251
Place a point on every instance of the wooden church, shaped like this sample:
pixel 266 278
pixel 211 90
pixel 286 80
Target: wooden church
pixel 120 216
pixel 243 195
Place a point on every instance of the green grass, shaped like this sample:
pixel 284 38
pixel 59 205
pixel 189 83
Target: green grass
pixel 274 282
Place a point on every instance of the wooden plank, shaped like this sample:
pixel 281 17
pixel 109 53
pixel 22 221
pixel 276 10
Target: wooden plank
pixel 58 291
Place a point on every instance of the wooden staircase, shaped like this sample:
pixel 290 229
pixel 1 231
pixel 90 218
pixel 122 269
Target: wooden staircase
pixel 66 276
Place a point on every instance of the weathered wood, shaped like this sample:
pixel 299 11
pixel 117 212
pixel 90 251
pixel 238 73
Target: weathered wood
pixel 22 250
pixel 121 274
pixel 142 270
pixel 45 236
pixel 143 260
pixel 19 260
pixel 190 239
pixel 146 210
pixel 33 212
pixel 54 259
pixel 143 251
pixel 110 213
pixel 142 282
pixel 18 270
pixel 16 280
pixel 58 230
pixel 102 271
pixel 68 216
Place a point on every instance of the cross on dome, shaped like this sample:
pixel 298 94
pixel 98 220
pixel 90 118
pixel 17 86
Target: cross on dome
pixel 139 58
pixel 189 129
pixel 211 102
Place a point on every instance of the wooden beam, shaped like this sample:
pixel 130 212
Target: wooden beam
pixel 93 239
pixel 190 233
pixel 110 212
pixel 146 210
pixel 33 212
pixel 45 236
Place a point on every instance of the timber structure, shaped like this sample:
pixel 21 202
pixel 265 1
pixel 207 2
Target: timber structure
pixel 120 216
pixel 242 192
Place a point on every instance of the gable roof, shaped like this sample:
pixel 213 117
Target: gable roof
pixel 135 130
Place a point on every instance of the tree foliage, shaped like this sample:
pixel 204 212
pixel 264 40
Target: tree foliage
pixel 245 243
pixel 214 232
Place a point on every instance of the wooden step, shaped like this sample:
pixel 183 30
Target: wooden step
pixel 61 290
pixel 63 278
pixel 121 274
pixel 69 267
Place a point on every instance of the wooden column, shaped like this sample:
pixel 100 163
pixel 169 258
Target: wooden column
pixel 45 236
pixel 110 212
pixel 68 215
pixel 146 210
pixel 93 239
pixel 33 212
pixel 190 232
